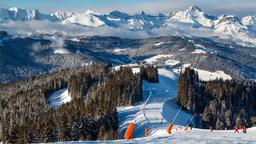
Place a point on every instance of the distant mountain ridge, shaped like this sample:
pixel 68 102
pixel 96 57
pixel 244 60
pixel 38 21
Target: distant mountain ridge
pixel 193 15
pixel 242 30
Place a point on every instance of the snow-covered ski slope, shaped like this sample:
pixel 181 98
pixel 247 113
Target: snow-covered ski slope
pixel 160 110
pixel 58 98
pixel 196 136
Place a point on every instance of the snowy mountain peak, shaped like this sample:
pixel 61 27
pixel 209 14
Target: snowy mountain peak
pixel 61 15
pixel 141 13
pixel 89 18
pixel 194 8
pixel 194 15
pixel 117 13
pixel 228 19
pixel 14 9
pixel 90 12
pixel 18 14
pixel 249 20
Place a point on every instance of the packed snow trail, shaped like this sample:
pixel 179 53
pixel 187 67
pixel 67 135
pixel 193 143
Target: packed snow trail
pixel 194 137
pixel 158 109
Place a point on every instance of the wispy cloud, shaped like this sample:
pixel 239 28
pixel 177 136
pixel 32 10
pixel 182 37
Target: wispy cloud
pixel 39 27
pixel 35 27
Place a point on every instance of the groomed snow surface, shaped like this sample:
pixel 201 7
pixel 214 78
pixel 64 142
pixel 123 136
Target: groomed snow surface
pixel 58 98
pixel 158 111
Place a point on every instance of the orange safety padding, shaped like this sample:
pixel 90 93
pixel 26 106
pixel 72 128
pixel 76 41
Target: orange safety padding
pixel 146 132
pixel 169 128
pixel 129 132
pixel 186 129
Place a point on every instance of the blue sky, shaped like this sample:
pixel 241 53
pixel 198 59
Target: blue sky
pixel 132 6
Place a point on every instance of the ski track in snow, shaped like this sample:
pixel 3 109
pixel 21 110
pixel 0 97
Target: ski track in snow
pixel 58 98
pixel 159 110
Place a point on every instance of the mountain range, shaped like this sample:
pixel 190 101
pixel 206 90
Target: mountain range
pixel 240 30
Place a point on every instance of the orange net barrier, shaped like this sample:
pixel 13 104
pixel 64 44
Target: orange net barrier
pixel 129 132
pixel 146 132
pixel 169 128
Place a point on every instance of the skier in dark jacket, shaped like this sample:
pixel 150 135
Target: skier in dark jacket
pixel 244 129
pixel 211 128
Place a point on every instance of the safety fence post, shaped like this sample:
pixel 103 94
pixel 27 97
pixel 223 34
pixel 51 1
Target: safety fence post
pixel 146 132
pixel 169 128
pixel 129 132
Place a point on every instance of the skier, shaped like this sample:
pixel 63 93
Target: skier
pixel 236 130
pixel 211 128
pixel 244 129
pixel 241 127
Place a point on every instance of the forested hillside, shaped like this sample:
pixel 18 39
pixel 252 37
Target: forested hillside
pixel 96 91
pixel 218 103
